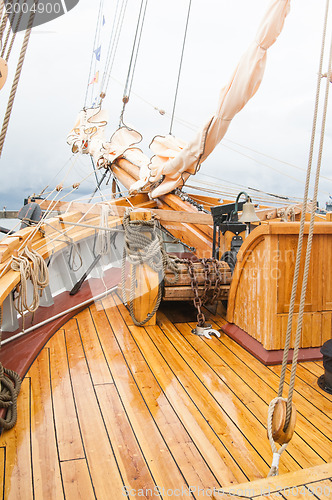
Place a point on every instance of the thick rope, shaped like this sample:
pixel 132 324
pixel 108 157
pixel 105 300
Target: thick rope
pixel 141 249
pixel 16 80
pixel 10 384
pixel 303 214
pixel 31 266
pixel 274 468
pixel 309 245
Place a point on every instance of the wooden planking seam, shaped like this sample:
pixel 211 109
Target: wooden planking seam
pixel 241 402
pixel 232 342
pixel 200 411
pixel 327 457
pixel 265 401
pixel 40 394
pixel 301 391
pixel 303 415
pixel 156 425
pixel 95 480
pixel 163 392
pixel 118 391
pixel 96 397
pixel 143 357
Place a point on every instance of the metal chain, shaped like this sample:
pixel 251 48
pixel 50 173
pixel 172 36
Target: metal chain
pixel 194 286
pixel 185 197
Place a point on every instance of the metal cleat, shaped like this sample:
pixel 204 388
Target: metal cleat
pixel 205 331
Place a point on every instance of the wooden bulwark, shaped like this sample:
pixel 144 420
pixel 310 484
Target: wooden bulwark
pixel 262 281
pixel 109 408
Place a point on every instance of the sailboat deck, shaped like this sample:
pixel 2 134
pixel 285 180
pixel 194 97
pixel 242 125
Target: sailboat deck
pixel 109 408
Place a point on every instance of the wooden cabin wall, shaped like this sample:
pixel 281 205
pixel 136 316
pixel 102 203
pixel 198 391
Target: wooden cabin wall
pixel 262 282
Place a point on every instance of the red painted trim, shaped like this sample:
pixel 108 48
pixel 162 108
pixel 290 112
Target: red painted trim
pixel 267 357
pixel 19 354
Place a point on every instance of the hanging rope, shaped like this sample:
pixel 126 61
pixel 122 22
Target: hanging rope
pixel 31 266
pixel 139 249
pixel 180 68
pixel 15 30
pixel 289 405
pixel 16 80
pixel 133 58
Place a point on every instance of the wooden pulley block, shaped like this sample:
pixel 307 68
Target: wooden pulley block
pixel 278 423
pixel 3 72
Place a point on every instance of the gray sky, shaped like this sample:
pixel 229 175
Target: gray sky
pixel 276 122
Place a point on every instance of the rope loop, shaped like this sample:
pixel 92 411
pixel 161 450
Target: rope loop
pixel 143 245
pixel 31 266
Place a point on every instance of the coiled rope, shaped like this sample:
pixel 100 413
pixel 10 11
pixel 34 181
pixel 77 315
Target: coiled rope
pixel 10 384
pixel 31 266
pixel 16 80
pixel 139 249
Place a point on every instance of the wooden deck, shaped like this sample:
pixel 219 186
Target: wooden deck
pixel 109 408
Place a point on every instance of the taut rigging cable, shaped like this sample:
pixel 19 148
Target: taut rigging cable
pixel 180 67
pixel 133 58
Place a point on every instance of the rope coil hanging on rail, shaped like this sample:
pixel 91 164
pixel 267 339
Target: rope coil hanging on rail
pixel 31 266
pixel 140 248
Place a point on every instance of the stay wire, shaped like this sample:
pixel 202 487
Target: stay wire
pixel 101 3
pixel 133 58
pixel 119 27
pixel 180 68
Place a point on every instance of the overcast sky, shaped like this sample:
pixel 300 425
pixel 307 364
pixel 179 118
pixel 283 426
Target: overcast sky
pixel 276 122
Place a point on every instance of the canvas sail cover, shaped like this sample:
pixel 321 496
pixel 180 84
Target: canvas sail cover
pixel 175 161
pixel 88 137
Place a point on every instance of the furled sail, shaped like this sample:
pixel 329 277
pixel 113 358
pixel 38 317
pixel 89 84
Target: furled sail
pixel 175 161
pixel 88 137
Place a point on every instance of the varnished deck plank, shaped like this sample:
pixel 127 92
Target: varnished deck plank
pixel 76 480
pixel 227 377
pixel 168 446
pixel 17 470
pixel 114 408
pixel 310 408
pixel 65 417
pixel 99 453
pixel 309 446
pixel 45 463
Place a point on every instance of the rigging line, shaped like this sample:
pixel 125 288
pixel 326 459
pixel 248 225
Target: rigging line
pixel 222 193
pixel 269 166
pixel 133 58
pixel 9 26
pixel 115 46
pixel 305 201
pixel 275 159
pixel 54 176
pixel 92 55
pixel 4 21
pixel 309 245
pixel 16 79
pixel 110 43
pixel 180 68
pixel 246 187
pixel 14 34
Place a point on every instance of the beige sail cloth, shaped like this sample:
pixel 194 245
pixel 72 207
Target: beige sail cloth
pixel 175 161
pixel 88 137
